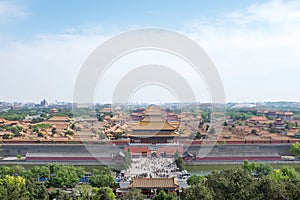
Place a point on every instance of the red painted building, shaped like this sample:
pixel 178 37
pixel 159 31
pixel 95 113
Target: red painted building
pixel 153 128
pixel 153 136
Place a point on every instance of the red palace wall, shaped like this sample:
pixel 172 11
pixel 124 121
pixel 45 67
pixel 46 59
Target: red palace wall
pixel 169 150
pixel 237 158
pixel 67 158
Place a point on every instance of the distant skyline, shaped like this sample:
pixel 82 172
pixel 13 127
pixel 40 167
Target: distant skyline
pixel 58 102
pixel 254 44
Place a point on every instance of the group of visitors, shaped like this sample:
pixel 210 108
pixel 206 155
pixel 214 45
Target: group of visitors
pixel 152 167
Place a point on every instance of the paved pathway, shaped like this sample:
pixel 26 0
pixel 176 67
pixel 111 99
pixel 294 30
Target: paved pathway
pixel 152 167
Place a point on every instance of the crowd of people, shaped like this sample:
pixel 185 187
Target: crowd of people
pixel 152 168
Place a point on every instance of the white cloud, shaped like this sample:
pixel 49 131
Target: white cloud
pixel 46 67
pixel 273 12
pixel 257 50
pixel 9 9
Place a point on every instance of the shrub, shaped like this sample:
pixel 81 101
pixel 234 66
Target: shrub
pixel 69 132
pixel 40 134
pixel 5 136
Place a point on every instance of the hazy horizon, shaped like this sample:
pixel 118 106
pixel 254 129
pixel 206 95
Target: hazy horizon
pixel 157 103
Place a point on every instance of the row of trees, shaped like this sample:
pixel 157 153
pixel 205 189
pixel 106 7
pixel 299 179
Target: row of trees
pixel 14 129
pixel 55 175
pixel 18 183
pixel 18 187
pixel 251 181
pixel 239 115
pixel 20 114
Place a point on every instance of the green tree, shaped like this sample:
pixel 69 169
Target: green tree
pixel 5 136
pixel 197 192
pixel 40 134
pixel 67 175
pixel 285 174
pixel 292 188
pixel 84 192
pixel 54 168
pixel 231 184
pixel 128 160
pixel 42 126
pixel 295 149
pixel 105 193
pixel 16 131
pixel 12 187
pixel 16 170
pixel 291 173
pixel 118 136
pixel 179 163
pixel 37 120
pixel 59 195
pixel 53 130
pixel 3 193
pixel 257 169
pixel 267 188
pixel 73 126
pixel 36 190
pixel 69 132
pixel 43 115
pixel 198 135
pixel 134 194
pixel 40 172
pixel 102 178
pixel 195 180
pixel 162 195
pixel 4 171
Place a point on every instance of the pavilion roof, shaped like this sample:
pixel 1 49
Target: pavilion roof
pixel 154 125
pixel 153 110
pixel 258 118
pixel 159 134
pixel 59 118
pixel 154 183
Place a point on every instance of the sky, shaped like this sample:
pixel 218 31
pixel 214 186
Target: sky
pixel 255 46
